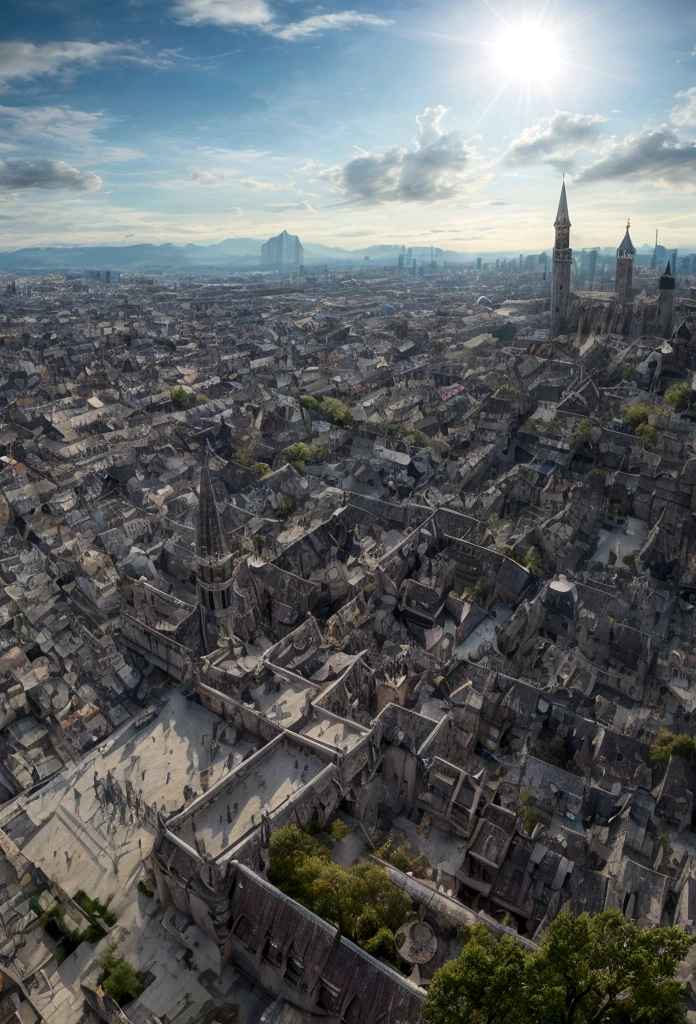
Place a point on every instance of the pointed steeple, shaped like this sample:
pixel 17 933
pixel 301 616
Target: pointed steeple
pixel 211 543
pixel 627 245
pixel 667 280
pixel 562 217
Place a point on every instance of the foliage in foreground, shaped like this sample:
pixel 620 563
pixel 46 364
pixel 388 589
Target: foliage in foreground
pixel 121 981
pixel 361 900
pixel 597 969
pixel 668 743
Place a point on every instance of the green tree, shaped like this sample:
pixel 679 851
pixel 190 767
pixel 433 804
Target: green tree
pixel 299 452
pixel 668 743
pixel 678 396
pixel 648 434
pixel 359 900
pixel 121 981
pixel 179 397
pixel 597 969
pixel 337 411
pixel 482 985
pixel 636 414
pixel 583 430
pixel 309 402
pixel 508 391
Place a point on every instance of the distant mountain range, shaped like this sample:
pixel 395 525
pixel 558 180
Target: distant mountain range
pixel 232 254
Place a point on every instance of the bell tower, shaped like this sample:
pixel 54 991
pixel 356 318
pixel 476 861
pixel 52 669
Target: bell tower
pixel 562 263
pixel 625 256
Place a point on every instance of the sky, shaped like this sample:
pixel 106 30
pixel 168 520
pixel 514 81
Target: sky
pixel 352 124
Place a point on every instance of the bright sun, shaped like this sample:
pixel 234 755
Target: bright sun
pixel 527 51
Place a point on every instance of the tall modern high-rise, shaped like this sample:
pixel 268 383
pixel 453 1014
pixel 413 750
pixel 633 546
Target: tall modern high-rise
pixel 625 256
pixel 283 251
pixel 562 263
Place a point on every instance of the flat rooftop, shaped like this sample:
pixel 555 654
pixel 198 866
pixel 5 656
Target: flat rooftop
pixel 254 789
pixel 333 731
pixel 285 704
pixel 79 840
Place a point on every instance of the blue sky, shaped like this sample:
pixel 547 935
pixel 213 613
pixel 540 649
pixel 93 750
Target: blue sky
pixel 351 124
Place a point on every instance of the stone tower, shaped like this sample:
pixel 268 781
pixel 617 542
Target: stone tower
pixel 562 263
pixel 625 255
pixel 665 303
pixel 213 559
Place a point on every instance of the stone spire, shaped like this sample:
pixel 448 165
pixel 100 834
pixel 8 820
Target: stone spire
pixel 562 263
pixel 665 303
pixel 211 544
pixel 214 562
pixel 627 245
pixel 667 277
pixel 562 217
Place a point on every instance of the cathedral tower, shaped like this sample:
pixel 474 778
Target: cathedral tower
pixel 213 557
pixel 625 255
pixel 665 303
pixel 562 262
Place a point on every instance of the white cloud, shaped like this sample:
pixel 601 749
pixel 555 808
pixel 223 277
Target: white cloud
pixel 264 186
pixel 300 207
pixel 326 22
pixel 204 178
pixel 234 14
pixel 62 123
pixel 654 155
pixel 685 114
pixel 441 165
pixel 226 13
pixel 556 140
pixel 19 175
pixel 29 60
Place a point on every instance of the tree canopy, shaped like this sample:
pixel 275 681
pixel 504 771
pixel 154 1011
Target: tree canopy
pixel 361 901
pixel 597 969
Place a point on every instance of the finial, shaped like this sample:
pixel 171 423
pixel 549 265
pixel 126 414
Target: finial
pixel 628 223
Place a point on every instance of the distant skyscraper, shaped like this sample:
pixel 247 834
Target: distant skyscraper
pixel 283 251
pixel 591 269
pixel 562 263
pixel 625 256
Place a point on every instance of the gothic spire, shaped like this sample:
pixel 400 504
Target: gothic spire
pixel 627 245
pixel 211 543
pixel 562 217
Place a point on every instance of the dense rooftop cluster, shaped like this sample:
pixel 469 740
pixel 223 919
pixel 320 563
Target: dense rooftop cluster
pixel 368 554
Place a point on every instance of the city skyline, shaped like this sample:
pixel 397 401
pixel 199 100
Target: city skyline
pixel 200 120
